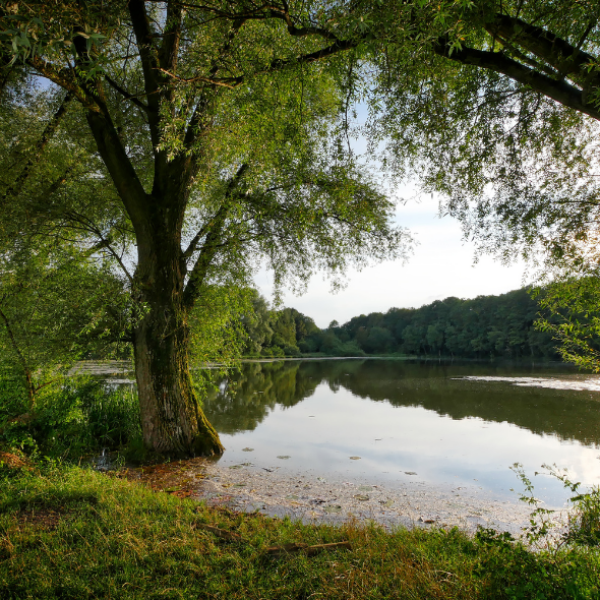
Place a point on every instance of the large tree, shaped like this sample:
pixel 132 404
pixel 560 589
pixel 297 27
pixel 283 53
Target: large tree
pixel 212 123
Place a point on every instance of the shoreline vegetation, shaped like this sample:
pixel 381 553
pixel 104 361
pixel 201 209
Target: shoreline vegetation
pixel 486 327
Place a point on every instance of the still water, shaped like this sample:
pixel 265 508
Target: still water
pixel 398 421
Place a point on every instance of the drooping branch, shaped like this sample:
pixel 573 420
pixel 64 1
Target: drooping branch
pixel 212 242
pixel 209 250
pixel 338 46
pixel 21 357
pixel 277 64
pixel 117 257
pixel 104 242
pixel 203 79
pixel 558 90
pixel 189 251
pixel 131 97
pixel 195 129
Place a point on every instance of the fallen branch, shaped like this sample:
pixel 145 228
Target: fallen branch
pixel 310 550
pixel 275 550
pixel 221 533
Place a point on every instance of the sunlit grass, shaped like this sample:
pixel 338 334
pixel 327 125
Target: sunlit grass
pixel 73 533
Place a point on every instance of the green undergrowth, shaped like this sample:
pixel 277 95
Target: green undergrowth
pixel 72 533
pixel 71 418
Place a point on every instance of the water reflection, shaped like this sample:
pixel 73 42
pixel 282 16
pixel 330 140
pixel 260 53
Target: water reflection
pixel 247 397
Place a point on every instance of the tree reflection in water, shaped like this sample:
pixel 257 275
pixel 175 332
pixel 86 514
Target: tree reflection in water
pixel 245 398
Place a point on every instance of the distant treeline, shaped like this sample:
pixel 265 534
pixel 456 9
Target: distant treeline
pixel 485 327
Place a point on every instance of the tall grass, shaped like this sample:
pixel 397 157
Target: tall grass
pixel 71 418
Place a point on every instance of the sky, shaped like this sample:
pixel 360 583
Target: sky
pixel 442 265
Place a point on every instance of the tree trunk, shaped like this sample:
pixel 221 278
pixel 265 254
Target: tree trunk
pixel 172 421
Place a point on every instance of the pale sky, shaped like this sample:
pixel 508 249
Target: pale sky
pixel 442 265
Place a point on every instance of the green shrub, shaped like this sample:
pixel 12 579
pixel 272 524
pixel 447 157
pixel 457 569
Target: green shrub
pixel 584 525
pixel 514 572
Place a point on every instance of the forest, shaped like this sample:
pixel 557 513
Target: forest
pixel 482 328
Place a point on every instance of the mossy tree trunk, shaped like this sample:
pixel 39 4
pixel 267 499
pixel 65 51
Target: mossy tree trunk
pixel 172 421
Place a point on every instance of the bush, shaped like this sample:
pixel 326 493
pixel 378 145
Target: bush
pixel 515 572
pixel 291 351
pixel 584 526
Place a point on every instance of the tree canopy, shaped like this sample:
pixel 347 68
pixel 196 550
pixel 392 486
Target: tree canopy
pixel 496 107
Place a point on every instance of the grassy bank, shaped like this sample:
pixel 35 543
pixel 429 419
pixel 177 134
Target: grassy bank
pixel 72 533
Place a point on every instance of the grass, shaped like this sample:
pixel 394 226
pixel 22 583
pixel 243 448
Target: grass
pixel 72 533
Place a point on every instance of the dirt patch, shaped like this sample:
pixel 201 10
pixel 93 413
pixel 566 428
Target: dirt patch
pixel 42 518
pixel 178 478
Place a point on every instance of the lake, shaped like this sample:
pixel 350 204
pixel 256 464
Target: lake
pixel 398 423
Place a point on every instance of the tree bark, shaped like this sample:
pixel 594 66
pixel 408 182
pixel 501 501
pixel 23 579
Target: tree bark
pixel 172 420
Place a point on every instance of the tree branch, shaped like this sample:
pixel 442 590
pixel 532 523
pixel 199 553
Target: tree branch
pixel 338 46
pixel 560 91
pixel 89 225
pixel 62 78
pixel 26 369
pixel 171 37
pixel 559 53
pixel 126 94
pixel 150 64
pixel 195 240
pixel 211 244
pixel 192 132
pixel 203 79
pixel 126 181
pixel 39 147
